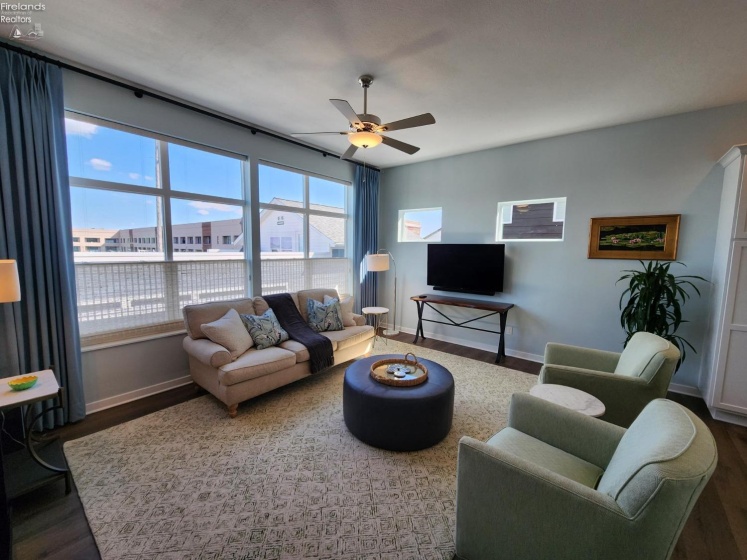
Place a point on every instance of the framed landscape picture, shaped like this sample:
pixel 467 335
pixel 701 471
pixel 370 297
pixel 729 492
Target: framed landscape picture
pixel 635 237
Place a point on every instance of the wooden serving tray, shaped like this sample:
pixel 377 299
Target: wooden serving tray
pixel 418 376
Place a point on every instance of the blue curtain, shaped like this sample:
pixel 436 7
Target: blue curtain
pixel 366 218
pixel 41 330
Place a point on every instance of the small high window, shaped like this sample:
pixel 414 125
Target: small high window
pixel 531 220
pixel 423 224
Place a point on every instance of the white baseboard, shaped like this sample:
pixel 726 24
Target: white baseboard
pixel 685 390
pixel 479 345
pixel 109 402
pixel 723 416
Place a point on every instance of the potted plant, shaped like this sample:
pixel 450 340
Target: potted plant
pixel 655 300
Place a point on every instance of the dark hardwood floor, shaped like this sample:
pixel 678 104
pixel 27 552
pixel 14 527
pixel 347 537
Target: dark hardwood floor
pixel 49 524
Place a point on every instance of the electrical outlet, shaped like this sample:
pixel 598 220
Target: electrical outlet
pixel 509 330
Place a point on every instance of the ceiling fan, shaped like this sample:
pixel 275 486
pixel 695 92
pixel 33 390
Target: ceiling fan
pixel 366 130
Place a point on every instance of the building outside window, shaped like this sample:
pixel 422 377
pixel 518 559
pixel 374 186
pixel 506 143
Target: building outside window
pixel 531 220
pixel 304 233
pixel 419 224
pixel 137 193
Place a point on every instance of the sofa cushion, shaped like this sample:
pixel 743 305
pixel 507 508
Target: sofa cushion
pixel 346 308
pixel 540 453
pixel 304 295
pixel 349 336
pixel 196 315
pixel 324 317
pixel 256 363
pixel 301 352
pixel 265 329
pixel 229 331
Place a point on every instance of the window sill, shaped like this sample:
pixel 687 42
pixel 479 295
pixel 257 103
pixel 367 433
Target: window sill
pixel 127 341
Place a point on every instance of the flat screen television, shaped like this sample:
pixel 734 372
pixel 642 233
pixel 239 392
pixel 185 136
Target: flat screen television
pixel 467 268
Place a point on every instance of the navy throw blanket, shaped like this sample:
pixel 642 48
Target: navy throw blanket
pixel 320 347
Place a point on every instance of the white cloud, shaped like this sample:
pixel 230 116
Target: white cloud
pixel 148 178
pixel 134 176
pixel 100 164
pixel 80 128
pixel 204 208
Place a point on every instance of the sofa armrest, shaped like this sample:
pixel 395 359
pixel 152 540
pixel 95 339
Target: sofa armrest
pixel 576 356
pixel 206 351
pixel 509 504
pixel 360 320
pixel 590 439
pixel 623 397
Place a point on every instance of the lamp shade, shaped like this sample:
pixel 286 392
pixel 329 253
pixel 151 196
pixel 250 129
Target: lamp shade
pixel 364 139
pixel 377 263
pixel 10 287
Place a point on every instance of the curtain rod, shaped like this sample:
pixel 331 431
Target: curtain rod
pixel 141 92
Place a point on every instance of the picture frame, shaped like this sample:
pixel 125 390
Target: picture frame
pixel 635 237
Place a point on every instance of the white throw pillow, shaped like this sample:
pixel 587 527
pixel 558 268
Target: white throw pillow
pixel 346 306
pixel 229 331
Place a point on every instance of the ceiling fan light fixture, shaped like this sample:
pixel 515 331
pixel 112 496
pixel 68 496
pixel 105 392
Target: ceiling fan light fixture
pixel 364 139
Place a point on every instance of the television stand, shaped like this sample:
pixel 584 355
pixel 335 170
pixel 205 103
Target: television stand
pixel 495 308
pixel 476 292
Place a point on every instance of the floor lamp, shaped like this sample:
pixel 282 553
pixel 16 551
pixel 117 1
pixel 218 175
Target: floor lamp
pixel 10 287
pixel 380 263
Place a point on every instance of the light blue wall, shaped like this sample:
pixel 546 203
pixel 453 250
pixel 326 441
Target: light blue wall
pixel 661 166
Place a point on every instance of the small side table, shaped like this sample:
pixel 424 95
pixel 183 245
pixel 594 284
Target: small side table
pixel 569 397
pixel 378 313
pixel 22 475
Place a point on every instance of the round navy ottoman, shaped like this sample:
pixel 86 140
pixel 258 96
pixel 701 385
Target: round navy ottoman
pixel 397 418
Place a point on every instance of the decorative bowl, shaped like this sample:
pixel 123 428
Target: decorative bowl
pixel 23 383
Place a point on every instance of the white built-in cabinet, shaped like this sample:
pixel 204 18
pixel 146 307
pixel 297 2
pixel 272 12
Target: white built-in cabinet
pixel 724 365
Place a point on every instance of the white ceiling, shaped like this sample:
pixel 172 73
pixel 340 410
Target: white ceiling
pixel 492 73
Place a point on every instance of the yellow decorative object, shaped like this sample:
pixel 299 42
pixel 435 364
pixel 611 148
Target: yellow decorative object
pixel 22 383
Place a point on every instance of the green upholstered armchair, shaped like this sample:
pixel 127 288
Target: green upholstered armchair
pixel 625 382
pixel 559 485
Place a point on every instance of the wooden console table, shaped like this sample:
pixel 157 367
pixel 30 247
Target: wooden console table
pixel 495 308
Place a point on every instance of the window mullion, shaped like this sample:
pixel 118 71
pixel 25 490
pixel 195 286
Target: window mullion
pixel 164 182
pixel 306 205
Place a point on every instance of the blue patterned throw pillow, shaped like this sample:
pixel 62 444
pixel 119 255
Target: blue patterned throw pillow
pixel 264 329
pixel 323 317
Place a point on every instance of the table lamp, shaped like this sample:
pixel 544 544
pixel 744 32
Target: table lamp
pixel 379 262
pixel 10 287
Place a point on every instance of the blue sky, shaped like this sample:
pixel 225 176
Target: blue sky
pixel 101 153
pixel 429 220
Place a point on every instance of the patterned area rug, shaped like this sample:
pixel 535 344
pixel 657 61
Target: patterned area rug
pixel 285 479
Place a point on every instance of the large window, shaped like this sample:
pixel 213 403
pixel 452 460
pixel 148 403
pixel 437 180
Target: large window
pixel 303 231
pixel 144 212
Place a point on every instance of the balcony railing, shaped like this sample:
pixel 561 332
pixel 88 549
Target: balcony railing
pixel 117 297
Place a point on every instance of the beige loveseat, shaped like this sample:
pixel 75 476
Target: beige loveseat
pixel 258 371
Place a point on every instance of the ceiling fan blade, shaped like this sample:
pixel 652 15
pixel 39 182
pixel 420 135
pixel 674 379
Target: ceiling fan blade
pixel 345 108
pixel 305 133
pixel 412 122
pixel 349 152
pixel 397 145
